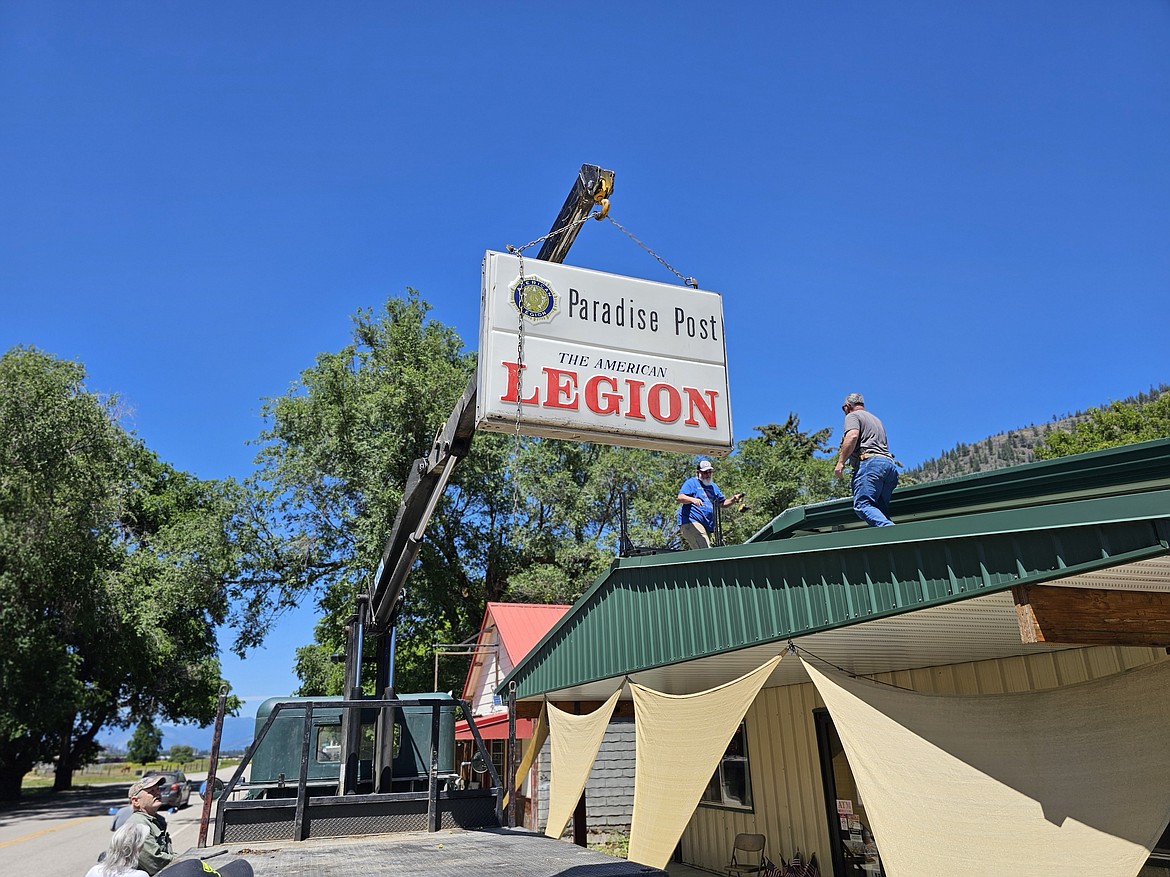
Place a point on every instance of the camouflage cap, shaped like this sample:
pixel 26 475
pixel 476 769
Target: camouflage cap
pixel 146 783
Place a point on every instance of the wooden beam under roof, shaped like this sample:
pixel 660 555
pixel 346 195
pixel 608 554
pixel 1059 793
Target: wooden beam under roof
pixel 530 709
pixel 1092 616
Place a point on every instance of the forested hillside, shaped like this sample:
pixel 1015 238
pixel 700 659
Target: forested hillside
pixel 1015 446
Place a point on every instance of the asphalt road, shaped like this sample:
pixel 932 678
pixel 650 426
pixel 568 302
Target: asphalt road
pixel 61 835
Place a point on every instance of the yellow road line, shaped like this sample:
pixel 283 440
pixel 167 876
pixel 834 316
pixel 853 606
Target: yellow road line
pixel 44 831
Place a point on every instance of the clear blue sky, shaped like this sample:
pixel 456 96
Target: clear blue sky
pixel 960 210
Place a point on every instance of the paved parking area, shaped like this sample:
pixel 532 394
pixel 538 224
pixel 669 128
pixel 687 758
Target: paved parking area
pixel 453 853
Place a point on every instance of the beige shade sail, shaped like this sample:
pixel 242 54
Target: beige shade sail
pixel 679 742
pixel 539 735
pixel 1072 780
pixel 575 741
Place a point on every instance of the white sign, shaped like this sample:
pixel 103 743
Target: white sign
pixel 608 359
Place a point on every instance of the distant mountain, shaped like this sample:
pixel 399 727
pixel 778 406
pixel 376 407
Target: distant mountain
pixel 1005 449
pixel 237 733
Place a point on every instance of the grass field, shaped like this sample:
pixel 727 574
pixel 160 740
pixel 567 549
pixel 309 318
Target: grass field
pixel 121 772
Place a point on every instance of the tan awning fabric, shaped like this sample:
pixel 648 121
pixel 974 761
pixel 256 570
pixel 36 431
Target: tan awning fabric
pixel 680 739
pixel 1073 780
pixel 575 741
pixel 539 735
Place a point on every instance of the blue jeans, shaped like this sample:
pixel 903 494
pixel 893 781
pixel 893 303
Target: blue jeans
pixel 873 483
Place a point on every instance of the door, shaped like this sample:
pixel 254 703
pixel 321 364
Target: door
pixel 854 848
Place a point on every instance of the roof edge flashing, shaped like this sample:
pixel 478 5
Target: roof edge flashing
pixel 1042 482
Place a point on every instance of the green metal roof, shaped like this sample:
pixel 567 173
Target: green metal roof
pixel 1036 523
pixel 1142 466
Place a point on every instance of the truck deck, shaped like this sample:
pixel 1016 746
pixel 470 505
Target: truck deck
pixel 447 853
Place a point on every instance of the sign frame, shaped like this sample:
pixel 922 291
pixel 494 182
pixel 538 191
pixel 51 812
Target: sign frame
pixel 609 359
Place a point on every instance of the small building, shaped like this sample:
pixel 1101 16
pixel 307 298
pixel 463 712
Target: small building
pixel 1005 592
pixel 509 632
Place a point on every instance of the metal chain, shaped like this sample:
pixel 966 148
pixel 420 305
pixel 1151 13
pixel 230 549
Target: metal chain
pixel 689 281
pixel 516 442
pixel 518 252
pixel 564 228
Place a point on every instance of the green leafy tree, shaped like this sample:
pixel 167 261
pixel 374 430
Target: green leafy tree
pixel 1121 423
pixel 61 459
pixel 535 520
pixel 331 472
pixel 181 753
pixel 114 572
pixel 776 469
pixel 566 525
pixel 145 743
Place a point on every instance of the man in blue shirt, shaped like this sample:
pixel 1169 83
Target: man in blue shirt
pixel 697 498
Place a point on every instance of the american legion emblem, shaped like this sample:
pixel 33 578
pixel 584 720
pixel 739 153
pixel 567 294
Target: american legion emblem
pixel 534 298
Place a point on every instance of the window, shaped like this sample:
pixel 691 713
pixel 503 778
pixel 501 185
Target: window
pixel 329 744
pixel 731 784
pixel 499 752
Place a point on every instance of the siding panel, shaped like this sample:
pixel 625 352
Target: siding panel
pixel 790 809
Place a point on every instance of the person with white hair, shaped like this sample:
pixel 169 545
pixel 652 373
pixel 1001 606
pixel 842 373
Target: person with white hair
pixel 121 859
pixel 697 499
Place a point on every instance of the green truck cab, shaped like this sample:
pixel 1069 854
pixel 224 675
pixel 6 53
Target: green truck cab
pixel 276 758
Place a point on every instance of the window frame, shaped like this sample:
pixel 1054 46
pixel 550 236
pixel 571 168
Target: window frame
pixel 717 779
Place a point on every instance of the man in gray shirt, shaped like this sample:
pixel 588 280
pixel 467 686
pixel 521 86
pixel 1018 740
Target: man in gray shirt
pixel 874 473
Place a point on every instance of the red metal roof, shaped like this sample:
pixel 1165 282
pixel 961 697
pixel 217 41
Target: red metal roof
pixel 522 625
pixel 519 627
pixel 494 727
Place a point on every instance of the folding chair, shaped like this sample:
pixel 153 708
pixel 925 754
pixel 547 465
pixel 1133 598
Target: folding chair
pixel 746 847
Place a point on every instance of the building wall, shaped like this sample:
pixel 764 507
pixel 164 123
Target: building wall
pixel 787 800
pixel 788 797
pixel 609 791
pixel 487 669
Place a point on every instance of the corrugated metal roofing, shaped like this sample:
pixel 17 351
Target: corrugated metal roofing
pixel 1141 466
pixel 522 625
pixel 516 628
pixel 1093 512
pixel 494 727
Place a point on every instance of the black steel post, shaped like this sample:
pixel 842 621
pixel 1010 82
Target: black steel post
pixel 580 814
pixel 510 770
pixel 213 762
pixel 497 783
pixel 300 823
pixel 352 719
pixel 625 547
pixel 433 788
pixel 384 780
pixel 392 641
pixel 580 823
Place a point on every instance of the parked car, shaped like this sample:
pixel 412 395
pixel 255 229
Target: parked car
pixel 175 790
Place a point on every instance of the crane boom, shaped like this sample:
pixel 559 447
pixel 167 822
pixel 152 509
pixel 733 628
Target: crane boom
pixel 428 475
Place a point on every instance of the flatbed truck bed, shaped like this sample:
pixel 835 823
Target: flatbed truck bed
pixel 500 852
